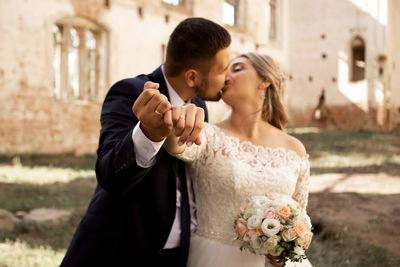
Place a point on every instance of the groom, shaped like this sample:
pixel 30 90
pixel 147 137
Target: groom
pixel 140 213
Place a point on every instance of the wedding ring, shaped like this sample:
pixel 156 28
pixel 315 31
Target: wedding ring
pixel 181 116
pixel 158 113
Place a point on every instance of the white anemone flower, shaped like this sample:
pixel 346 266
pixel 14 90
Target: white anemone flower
pixel 270 227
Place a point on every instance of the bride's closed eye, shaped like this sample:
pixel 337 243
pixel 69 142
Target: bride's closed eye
pixel 237 67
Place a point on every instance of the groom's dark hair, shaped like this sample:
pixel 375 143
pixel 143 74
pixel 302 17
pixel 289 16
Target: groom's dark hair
pixel 194 44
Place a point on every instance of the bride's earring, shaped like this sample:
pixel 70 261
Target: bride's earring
pixel 262 94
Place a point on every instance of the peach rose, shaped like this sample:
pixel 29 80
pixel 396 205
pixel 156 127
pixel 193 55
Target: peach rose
pixel 284 212
pixel 300 229
pixel 289 235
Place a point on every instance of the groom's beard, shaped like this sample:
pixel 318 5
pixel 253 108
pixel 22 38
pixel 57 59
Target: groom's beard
pixel 201 92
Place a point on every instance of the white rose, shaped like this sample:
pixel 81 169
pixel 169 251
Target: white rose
pixel 277 251
pixel 272 242
pixel 270 227
pixel 254 221
pixel 259 201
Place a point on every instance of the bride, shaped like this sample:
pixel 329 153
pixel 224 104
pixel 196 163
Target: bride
pixel 248 154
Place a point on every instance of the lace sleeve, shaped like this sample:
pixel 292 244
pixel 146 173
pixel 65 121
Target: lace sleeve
pixel 301 192
pixel 196 151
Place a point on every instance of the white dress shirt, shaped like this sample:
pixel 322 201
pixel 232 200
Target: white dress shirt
pixel 145 151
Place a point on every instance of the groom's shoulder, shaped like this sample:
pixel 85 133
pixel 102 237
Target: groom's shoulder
pixel 136 84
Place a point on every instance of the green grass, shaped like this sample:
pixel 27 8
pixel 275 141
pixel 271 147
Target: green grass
pixel 74 194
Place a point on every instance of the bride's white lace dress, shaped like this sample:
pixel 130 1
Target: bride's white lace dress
pixel 225 172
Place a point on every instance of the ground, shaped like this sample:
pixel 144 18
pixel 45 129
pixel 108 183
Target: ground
pixel 354 197
pixel 354 200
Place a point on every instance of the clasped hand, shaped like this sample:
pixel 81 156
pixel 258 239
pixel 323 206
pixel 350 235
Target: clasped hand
pixel 158 118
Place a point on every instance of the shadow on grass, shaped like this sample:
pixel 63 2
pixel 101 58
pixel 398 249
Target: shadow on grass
pixel 74 194
pixel 342 141
pixel 86 162
pixel 388 168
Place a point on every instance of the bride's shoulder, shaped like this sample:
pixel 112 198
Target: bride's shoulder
pixel 209 127
pixel 294 144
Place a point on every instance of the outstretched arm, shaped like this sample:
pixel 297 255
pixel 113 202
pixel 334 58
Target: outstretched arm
pixel 117 166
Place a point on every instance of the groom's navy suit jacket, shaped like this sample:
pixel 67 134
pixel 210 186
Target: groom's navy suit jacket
pixel 131 213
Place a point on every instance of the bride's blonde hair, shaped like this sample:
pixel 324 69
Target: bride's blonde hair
pixel 273 110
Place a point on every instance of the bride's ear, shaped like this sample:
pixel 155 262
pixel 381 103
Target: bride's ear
pixel 264 85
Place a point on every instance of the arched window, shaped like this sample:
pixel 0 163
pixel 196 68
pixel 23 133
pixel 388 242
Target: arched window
pixel 79 59
pixel 357 59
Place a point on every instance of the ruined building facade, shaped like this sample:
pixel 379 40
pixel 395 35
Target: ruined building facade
pixel 58 59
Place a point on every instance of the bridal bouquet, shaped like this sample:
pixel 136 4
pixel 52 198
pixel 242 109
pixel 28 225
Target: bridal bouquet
pixel 275 225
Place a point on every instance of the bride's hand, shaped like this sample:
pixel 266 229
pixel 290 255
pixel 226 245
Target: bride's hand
pixel 188 123
pixel 274 261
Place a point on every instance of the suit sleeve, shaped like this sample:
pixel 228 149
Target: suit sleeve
pixel 117 170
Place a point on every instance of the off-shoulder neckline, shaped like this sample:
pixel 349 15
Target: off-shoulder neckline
pixel 267 148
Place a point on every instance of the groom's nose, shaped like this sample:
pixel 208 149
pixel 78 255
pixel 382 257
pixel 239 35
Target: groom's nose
pixel 227 79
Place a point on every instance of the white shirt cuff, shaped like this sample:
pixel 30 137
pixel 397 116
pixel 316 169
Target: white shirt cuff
pixel 145 149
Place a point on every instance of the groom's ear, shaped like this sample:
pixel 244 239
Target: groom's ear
pixel 191 77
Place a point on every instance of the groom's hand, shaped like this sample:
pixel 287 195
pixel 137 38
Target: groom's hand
pixel 188 123
pixel 153 111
